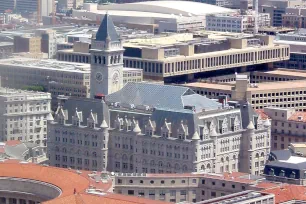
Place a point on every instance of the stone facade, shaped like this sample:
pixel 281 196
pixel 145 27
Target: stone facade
pixel 153 128
pixel 24 115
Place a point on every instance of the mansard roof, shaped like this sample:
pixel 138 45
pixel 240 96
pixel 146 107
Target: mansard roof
pixel 163 97
pixel 87 107
pixel 107 30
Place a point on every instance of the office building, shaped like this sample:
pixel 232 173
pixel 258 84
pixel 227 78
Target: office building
pixel 276 9
pixel 287 126
pixel 35 8
pixel 181 57
pixel 297 41
pixel 7 4
pixel 58 78
pixel 245 197
pixel 6 50
pixel 237 23
pixel 48 42
pixel 283 94
pixel 24 115
pixel 151 127
pixel 27 44
pixel 189 188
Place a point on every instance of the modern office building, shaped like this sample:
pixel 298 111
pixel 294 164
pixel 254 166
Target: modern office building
pixel 150 127
pixel 181 57
pixel 20 72
pixel 7 4
pixel 287 126
pixel 237 23
pixel 24 115
pixel 189 188
pixel 27 44
pixel 6 50
pixel 58 78
pixel 48 42
pixel 297 41
pixel 276 9
pixel 283 94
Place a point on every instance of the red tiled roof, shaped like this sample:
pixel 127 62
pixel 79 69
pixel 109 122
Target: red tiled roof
pixel 262 114
pixel 295 117
pixel 12 142
pixel 66 180
pixel 287 192
pixel 109 198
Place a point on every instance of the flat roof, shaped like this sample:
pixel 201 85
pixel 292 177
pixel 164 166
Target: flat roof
pixel 225 87
pixel 48 64
pixel 286 72
pixel 17 92
pixel 260 87
pixel 185 8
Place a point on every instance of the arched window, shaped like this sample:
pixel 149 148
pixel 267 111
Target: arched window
pixel 64 150
pixel 257 155
pixel 262 154
pixel 94 154
pixel 202 168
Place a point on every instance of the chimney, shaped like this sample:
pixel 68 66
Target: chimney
pixel 223 100
pixel 100 96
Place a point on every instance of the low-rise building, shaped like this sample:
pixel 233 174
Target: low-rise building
pixel 24 115
pixel 22 151
pixel 283 94
pixel 6 50
pixel 287 166
pixel 244 197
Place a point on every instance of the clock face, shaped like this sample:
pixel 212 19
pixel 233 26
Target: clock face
pixel 99 77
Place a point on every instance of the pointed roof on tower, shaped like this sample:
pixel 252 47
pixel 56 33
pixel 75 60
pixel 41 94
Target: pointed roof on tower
pixel 107 30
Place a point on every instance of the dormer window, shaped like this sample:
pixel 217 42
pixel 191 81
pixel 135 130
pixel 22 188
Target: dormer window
pixel 181 136
pixel 271 172
pixel 149 132
pixel 292 175
pixel 282 173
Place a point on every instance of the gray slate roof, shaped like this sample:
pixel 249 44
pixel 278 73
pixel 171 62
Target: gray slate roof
pixel 163 97
pixel 86 106
pixel 106 29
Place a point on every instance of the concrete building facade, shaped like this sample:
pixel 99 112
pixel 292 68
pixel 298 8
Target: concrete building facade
pixel 288 126
pixel 6 50
pixel 191 57
pixel 27 44
pixel 287 93
pixel 236 22
pixel 24 116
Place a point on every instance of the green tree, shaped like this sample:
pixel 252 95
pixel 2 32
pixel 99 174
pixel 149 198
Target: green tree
pixel 35 88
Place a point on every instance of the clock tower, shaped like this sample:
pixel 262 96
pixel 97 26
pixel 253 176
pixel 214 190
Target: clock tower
pixel 106 60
